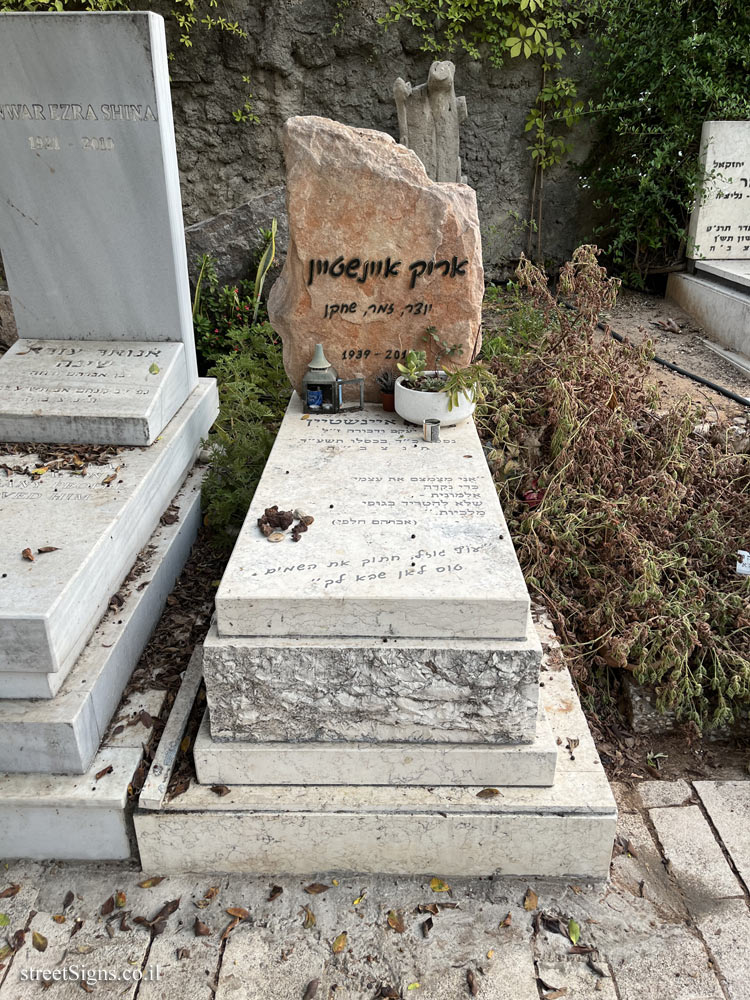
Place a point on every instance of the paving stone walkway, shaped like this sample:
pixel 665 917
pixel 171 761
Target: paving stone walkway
pixel 672 924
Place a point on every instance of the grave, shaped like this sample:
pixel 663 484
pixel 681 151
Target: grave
pixel 716 288
pixel 373 693
pixel 102 413
pixel 91 231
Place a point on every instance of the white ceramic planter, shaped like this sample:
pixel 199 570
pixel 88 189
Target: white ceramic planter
pixel 416 407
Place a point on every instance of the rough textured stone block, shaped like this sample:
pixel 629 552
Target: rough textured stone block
pixel 422 690
pixel 377 253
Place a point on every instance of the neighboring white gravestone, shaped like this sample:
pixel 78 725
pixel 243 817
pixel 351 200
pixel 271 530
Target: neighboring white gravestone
pixel 91 224
pixel 720 222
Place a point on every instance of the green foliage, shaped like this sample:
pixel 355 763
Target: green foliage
pixel 662 68
pixel 625 521
pixel 253 394
pixel 245 115
pixel 186 13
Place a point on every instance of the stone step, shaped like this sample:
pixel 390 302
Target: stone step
pixel 723 311
pixel 409 539
pixel 70 817
pixel 564 830
pixel 68 391
pixel 427 690
pixel 62 735
pixel 98 524
pixel 347 763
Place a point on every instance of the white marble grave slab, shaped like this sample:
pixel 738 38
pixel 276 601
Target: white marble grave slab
pixel 247 763
pixel 566 829
pixel 70 817
pixel 98 392
pixel 61 733
pixel 97 524
pixel 720 222
pixel 737 272
pixel 409 538
pixel 90 212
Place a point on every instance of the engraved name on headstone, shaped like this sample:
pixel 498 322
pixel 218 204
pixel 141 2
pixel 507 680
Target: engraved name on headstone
pixel 720 222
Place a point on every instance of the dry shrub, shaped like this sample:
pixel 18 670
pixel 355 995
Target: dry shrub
pixel 626 521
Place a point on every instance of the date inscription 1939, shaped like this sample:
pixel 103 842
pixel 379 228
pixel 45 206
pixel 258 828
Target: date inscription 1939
pixel 359 270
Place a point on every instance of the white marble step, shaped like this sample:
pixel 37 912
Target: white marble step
pixel 69 817
pixel 62 735
pixel 100 392
pixel 245 763
pixel 567 829
pixel 409 538
pixel 98 524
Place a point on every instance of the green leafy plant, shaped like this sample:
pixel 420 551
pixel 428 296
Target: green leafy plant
pixel 245 115
pixel 386 382
pixel 661 68
pixel 454 381
pixel 253 394
pixel 188 15
pixel 224 318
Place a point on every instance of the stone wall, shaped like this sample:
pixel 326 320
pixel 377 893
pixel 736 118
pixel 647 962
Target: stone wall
pixel 297 66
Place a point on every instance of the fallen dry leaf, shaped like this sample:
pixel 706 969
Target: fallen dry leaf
pixel 471 982
pixel 69 897
pixel 220 790
pixel 149 883
pixel 312 989
pixel 315 888
pixel 309 920
pixel 104 771
pixel 488 793
pixel 39 941
pixel 28 555
pixel 339 943
pixel 276 891
pixel 238 911
pixel 59 918
pixel 12 890
pixel 396 921
pixel 229 928
pixel 120 900
pixel 437 885
pixel 530 900
pixel 107 906
pixel 200 929
pixel 506 921
pixel 47 548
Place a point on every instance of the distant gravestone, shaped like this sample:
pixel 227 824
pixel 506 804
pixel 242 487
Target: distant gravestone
pixel 720 222
pixel 377 254
pixel 428 119
pixel 91 230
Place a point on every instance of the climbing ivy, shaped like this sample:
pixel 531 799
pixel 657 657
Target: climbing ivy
pixel 189 15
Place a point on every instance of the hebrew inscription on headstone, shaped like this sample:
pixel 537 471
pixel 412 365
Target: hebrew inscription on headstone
pixel 90 216
pixel 720 223
pixel 377 254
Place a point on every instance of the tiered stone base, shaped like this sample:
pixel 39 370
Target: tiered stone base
pixel 566 829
